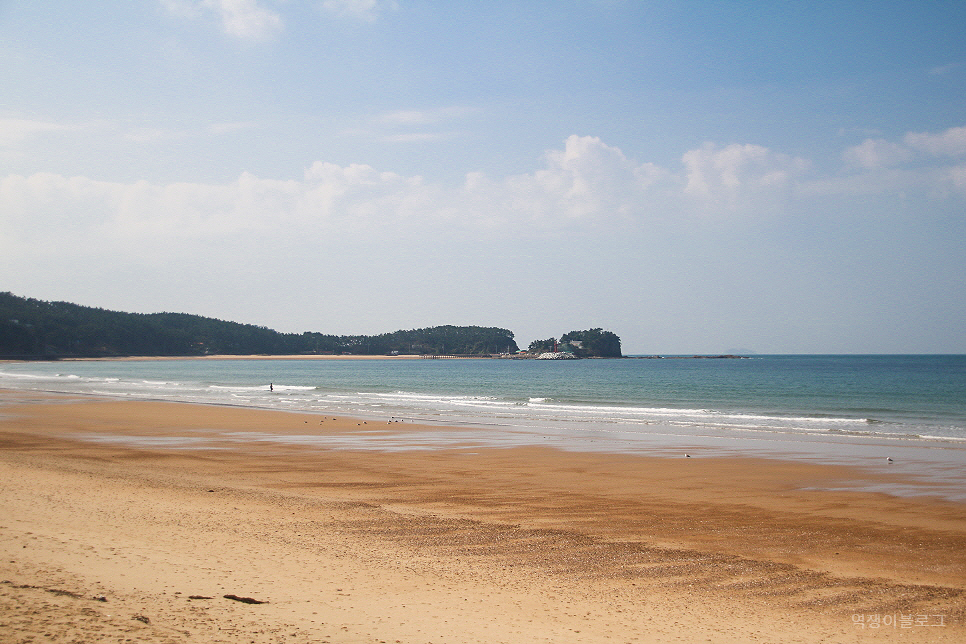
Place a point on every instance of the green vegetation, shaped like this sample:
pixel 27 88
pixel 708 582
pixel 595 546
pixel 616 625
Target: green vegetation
pixel 592 343
pixel 542 346
pixel 32 328
pixel 437 340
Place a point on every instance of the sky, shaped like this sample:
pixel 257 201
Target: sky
pixel 697 177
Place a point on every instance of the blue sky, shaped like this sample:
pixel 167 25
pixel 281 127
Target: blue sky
pixel 787 177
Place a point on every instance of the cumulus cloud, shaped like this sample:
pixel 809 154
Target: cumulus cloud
pixel 586 186
pixel 735 176
pixel 587 183
pixel 368 10
pixel 589 178
pixel 244 19
pixel 952 142
pixel 922 146
pixel 143 219
pixel 358 198
pixel 877 153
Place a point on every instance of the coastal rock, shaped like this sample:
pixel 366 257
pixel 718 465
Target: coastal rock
pixel 244 600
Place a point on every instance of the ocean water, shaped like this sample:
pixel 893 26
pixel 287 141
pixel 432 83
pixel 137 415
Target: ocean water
pixel 846 409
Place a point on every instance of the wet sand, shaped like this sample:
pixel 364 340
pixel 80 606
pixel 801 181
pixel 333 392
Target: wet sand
pixel 163 509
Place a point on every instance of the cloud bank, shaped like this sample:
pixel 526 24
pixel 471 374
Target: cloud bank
pixel 587 186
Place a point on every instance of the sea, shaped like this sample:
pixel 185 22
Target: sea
pixel 856 410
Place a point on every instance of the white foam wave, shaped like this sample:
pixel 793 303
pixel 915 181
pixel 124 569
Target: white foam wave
pixel 236 388
pixel 483 410
pixel 24 376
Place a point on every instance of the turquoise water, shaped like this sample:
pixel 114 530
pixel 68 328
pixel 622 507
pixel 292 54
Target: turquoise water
pixel 895 396
pixel 849 410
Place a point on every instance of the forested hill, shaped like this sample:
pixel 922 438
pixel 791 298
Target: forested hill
pixel 32 328
pixel 592 343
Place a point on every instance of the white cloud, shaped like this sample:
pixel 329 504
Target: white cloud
pixel 591 179
pixel 586 186
pixel 733 177
pixel 877 153
pixel 874 154
pixel 414 126
pixel 587 183
pixel 17 130
pixel 368 10
pixel 243 19
pixel 952 142
pixel 424 117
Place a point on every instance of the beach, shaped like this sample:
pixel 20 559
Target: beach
pixel 159 522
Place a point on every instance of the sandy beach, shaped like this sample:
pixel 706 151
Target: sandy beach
pixel 159 522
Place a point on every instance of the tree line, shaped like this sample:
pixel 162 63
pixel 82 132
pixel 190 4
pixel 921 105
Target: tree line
pixel 31 328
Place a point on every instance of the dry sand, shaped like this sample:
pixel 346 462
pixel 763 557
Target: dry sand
pixel 514 545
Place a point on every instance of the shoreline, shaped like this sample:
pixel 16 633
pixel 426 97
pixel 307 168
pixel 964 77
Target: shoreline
pixel 313 356
pixel 226 357
pixel 456 545
pixel 928 466
pixel 906 466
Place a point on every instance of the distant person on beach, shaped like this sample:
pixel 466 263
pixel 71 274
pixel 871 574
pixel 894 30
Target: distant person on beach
pixel 271 386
